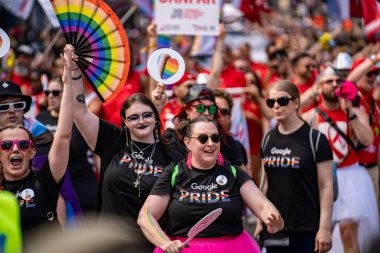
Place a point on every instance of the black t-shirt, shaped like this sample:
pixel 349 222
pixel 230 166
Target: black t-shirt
pixel 119 194
pixel 80 169
pixel 231 151
pixel 50 122
pixel 33 215
pixel 196 193
pixel 292 176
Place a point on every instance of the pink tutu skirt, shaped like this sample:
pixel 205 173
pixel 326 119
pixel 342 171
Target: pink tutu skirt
pixel 242 243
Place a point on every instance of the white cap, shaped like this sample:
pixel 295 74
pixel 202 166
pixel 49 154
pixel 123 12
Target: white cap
pixel 343 61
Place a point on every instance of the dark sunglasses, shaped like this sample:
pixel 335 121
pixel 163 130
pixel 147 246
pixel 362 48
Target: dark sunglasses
pixel 203 138
pixel 21 144
pixel 282 101
pixel 331 81
pixel 224 111
pixel 372 73
pixel 144 116
pixel 15 105
pixel 54 92
pixel 202 108
pixel 309 66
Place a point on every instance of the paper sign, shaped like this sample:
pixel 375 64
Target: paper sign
pixel 202 224
pixel 5 43
pixel 166 66
pixel 190 17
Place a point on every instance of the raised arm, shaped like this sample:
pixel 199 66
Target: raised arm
pixel 152 210
pixel 87 122
pixel 59 152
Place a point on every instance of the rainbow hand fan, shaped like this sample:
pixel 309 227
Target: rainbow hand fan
pixel 100 42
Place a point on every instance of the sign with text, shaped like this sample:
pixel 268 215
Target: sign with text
pixel 188 17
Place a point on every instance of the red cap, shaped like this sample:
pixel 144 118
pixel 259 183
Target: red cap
pixel 360 61
pixel 186 77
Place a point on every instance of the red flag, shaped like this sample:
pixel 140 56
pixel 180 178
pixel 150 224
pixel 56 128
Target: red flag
pixel 369 11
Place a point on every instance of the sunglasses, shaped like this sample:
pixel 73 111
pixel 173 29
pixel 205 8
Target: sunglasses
pixel 202 108
pixel 224 111
pixel 203 138
pixel 54 92
pixel 372 73
pixel 21 144
pixel 282 101
pixel 15 105
pixel 309 66
pixel 145 116
pixel 331 81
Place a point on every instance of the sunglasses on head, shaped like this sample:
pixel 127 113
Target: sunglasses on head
pixel 282 101
pixel 202 108
pixel 144 116
pixel 54 92
pixel 224 111
pixel 331 81
pixel 15 105
pixel 372 73
pixel 21 144
pixel 203 138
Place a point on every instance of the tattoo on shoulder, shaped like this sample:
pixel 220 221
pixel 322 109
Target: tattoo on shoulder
pixel 80 98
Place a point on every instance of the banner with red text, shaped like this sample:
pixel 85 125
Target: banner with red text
pixel 190 17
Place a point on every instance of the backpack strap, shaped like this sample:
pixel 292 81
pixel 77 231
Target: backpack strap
pixel 314 145
pixel 45 204
pixel 233 170
pixel 174 174
pixel 265 139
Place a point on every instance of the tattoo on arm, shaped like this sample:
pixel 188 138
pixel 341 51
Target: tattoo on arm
pixel 81 99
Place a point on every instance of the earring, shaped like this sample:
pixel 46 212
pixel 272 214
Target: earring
pixel 156 135
pixel 188 161
pixel 220 159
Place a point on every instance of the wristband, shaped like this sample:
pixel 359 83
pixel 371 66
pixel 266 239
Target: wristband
pixel 77 77
pixel 351 118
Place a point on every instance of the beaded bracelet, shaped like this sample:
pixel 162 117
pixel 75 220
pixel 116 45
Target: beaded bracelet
pixel 77 77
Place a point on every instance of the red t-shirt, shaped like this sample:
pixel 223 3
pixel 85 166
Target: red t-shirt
pixel 338 144
pixel 231 78
pixel 23 82
pixel 369 154
pixel 251 110
pixel 170 110
pixel 111 111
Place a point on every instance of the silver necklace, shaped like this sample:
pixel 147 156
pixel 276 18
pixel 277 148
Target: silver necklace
pixel 140 155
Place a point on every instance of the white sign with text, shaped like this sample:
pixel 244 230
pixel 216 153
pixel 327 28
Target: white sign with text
pixel 187 17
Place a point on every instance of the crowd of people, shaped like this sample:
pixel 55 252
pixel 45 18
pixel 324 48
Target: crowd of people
pixel 159 158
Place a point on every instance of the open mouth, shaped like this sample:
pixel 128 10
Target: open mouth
pixel 142 126
pixel 209 151
pixel 16 160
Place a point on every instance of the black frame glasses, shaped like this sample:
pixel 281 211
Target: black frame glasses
pixel 20 105
pixel 23 145
pixel 281 101
pixel 145 116
pixel 201 108
pixel 54 92
pixel 203 138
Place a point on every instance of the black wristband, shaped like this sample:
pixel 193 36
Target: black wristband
pixel 351 118
pixel 77 77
